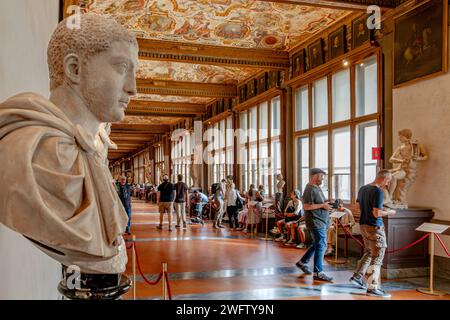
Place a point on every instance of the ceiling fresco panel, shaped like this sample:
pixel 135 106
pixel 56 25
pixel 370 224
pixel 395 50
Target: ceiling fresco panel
pixel 234 23
pixel 177 71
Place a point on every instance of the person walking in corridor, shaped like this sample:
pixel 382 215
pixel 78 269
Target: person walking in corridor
pixel 316 219
pixel 180 201
pixel 164 199
pixel 124 191
pixel 370 199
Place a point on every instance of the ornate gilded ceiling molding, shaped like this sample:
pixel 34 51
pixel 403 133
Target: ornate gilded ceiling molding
pixel 164 109
pixel 191 89
pixel 213 55
pixel 120 128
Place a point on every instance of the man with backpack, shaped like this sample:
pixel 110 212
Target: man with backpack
pixel 180 201
pixel 164 199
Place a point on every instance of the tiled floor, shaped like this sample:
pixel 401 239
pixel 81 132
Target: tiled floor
pixel 206 263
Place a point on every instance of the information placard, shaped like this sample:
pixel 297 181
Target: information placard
pixel 432 227
pixel 338 214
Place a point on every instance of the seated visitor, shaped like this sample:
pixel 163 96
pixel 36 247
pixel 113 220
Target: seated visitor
pixel 347 220
pixel 196 202
pixel 301 230
pixel 291 215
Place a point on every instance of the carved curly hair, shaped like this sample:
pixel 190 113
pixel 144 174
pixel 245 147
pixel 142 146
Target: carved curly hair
pixel 96 34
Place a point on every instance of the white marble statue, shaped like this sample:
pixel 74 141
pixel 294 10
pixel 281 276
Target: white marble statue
pixel 57 188
pixel 404 159
pixel 279 195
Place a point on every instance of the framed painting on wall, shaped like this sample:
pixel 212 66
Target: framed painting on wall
pixel 315 54
pixel 274 79
pixel 251 89
pixel 262 83
pixel 242 93
pixel 360 33
pixel 298 63
pixel 420 43
pixel 337 43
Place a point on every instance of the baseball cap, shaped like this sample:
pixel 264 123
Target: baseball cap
pixel 314 171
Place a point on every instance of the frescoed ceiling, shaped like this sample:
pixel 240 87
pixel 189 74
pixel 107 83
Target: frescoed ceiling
pixel 179 99
pixel 166 70
pixel 195 51
pixel 236 23
pixel 144 120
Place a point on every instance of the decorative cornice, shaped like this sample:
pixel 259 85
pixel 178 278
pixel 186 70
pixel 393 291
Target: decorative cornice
pixel 213 55
pixel 191 89
pixel 165 109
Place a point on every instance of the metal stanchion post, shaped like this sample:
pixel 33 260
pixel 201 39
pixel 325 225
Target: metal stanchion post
pixel 431 290
pixel 266 238
pixel 134 267
pixel 164 284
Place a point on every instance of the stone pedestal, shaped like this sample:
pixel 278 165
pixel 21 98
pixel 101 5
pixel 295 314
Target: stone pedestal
pixel 400 231
pixel 93 286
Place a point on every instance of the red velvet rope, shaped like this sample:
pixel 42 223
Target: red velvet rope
pixel 168 285
pixel 152 283
pixel 411 244
pixel 442 244
pixel 349 234
pixel 391 251
pixel 131 246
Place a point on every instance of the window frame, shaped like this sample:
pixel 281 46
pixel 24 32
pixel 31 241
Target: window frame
pixel 307 80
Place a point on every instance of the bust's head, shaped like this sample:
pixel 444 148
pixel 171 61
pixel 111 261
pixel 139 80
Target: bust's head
pixel 98 61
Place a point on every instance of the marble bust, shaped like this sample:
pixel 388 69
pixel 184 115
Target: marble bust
pixel 57 187
pixel 404 160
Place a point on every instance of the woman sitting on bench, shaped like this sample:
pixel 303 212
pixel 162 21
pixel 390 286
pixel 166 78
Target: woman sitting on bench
pixel 291 215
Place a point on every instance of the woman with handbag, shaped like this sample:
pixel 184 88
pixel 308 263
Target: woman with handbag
pixel 234 202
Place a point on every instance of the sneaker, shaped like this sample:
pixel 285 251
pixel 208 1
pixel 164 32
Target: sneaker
pixel 320 276
pixel 289 243
pixel 329 252
pixel 301 246
pixel 220 226
pixel 378 293
pixel 359 281
pixel 159 226
pixel 215 227
pixel 170 228
pixel 279 239
pixel 303 267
